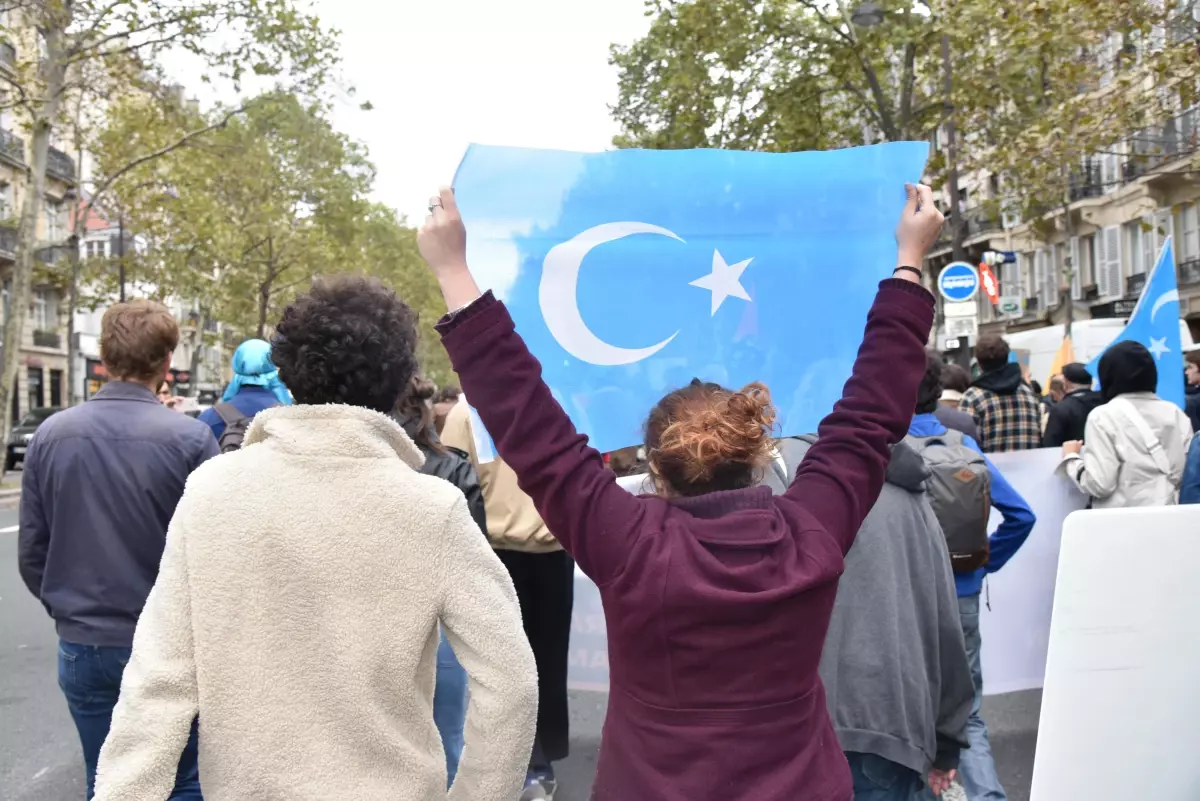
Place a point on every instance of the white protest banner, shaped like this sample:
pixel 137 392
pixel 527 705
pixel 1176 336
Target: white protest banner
pixel 1118 712
pixel 1015 630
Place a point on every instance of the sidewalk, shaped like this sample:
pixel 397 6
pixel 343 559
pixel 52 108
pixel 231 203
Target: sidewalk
pixel 10 491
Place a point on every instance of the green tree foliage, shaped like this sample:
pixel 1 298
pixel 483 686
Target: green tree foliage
pixel 244 219
pixel 776 75
pixel 73 49
pixel 1031 101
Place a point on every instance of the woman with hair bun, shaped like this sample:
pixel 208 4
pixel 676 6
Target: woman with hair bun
pixel 717 595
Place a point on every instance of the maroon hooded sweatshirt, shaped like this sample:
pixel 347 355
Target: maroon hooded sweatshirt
pixel 716 606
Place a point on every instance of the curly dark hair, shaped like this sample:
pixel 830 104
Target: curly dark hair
pixel 705 438
pixel 348 340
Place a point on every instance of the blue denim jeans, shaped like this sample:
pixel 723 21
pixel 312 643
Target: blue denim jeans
pixel 450 706
pixel 90 678
pixel 977 771
pixel 879 779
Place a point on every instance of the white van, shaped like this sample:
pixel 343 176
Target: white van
pixel 1089 338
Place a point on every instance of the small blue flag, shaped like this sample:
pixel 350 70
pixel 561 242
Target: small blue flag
pixel 631 272
pixel 1155 324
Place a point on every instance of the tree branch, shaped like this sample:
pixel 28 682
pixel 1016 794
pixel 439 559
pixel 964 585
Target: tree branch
pixel 182 141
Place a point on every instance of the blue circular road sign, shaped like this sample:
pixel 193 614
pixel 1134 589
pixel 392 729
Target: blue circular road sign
pixel 958 282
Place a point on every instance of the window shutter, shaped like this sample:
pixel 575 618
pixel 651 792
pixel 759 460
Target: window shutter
pixel 1101 266
pixel 1111 263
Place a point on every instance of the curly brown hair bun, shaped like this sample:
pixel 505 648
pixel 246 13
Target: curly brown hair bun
pixel 705 438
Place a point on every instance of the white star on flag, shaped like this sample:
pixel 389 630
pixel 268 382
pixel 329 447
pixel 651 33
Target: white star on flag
pixel 1158 347
pixel 724 280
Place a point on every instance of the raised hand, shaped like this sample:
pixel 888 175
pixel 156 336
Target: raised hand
pixel 442 242
pixel 919 226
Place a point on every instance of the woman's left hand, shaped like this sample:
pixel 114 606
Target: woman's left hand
pixel 1072 448
pixel 442 242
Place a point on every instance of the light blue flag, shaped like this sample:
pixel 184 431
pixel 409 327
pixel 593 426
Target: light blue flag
pixel 1155 324
pixel 631 272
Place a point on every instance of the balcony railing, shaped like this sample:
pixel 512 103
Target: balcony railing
pixel 12 147
pixel 1087 182
pixel 8 55
pixel 1189 271
pixel 47 339
pixel 1134 283
pixel 1174 139
pixel 975 221
pixel 60 165
pixel 979 222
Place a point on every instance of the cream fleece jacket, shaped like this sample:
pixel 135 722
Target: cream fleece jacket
pixel 296 612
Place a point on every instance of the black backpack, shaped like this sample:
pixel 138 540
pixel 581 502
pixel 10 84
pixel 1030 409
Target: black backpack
pixel 236 424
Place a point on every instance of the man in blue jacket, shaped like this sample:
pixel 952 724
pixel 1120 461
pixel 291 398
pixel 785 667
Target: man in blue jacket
pixel 977 771
pixel 101 482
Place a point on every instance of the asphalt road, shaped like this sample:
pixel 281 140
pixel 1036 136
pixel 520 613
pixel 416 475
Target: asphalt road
pixel 40 758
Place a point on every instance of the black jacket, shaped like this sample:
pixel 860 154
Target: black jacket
pixel 1068 418
pixel 1192 406
pixel 449 464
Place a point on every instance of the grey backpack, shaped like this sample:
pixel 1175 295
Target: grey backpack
pixel 236 424
pixel 960 490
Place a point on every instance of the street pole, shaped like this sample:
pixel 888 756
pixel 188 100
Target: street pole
pixel 1068 300
pixel 73 304
pixel 958 250
pixel 121 253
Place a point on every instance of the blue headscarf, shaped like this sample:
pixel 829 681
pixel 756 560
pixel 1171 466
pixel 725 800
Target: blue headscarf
pixel 252 366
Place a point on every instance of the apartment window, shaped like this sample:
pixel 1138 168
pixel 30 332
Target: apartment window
pixel 1110 168
pixel 1010 277
pixel 45 310
pixel 1187 226
pixel 1083 272
pixel 1044 277
pixel 96 249
pixel 56 382
pixel 7 212
pixel 36 395
pixel 56 221
pixel 1145 237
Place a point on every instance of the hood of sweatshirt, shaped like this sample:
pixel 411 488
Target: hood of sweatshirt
pixel 1004 381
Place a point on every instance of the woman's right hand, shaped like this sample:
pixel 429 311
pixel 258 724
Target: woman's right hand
pixel 919 226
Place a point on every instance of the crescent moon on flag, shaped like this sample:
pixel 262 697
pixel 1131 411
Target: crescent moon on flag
pixel 1163 300
pixel 559 299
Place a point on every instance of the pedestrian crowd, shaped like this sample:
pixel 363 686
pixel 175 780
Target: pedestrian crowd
pixel 322 589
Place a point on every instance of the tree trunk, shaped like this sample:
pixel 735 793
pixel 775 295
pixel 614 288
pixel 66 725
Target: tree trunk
pixel 53 71
pixel 197 351
pixel 264 301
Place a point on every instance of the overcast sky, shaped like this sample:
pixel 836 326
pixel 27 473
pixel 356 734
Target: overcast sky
pixel 444 73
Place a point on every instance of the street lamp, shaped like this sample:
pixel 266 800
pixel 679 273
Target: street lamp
pixel 868 15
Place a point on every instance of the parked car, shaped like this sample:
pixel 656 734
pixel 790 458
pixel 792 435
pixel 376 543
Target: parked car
pixel 22 432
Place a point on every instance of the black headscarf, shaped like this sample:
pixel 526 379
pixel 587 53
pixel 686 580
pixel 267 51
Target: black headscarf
pixel 1127 367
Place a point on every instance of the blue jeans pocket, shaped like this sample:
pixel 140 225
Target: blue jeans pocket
pixel 66 669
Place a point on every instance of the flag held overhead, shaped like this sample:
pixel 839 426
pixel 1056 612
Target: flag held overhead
pixel 631 272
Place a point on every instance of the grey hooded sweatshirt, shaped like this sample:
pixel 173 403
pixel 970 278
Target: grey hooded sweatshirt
pixel 894 666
